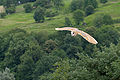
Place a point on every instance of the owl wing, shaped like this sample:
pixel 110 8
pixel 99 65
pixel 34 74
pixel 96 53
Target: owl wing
pixel 82 33
pixel 66 28
pixel 87 37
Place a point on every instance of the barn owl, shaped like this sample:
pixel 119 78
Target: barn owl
pixel 75 31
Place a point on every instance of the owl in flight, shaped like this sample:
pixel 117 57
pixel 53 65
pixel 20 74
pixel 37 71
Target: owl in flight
pixel 75 31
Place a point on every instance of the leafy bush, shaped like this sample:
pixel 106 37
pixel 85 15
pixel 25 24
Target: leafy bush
pixel 58 3
pixel 28 8
pixel 42 3
pixel 2 15
pixel 89 10
pixel 107 35
pixel 103 1
pixel 104 65
pixel 102 19
pixel 10 10
pixel 90 2
pixel 6 75
pixel 39 15
pixel 76 4
pixel 78 16
pixel 107 19
pixel 49 46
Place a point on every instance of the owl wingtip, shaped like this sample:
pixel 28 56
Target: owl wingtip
pixel 56 28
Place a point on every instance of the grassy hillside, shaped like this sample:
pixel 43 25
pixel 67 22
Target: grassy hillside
pixel 36 51
pixel 112 8
pixel 25 20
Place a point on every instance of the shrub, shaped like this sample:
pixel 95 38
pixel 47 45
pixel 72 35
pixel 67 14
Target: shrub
pixel 76 4
pixel 90 2
pixel 10 10
pixel 102 19
pixel 78 16
pixel 107 20
pixel 103 1
pixel 39 15
pixel 2 15
pixel 6 75
pixel 42 3
pixel 89 10
pixel 28 8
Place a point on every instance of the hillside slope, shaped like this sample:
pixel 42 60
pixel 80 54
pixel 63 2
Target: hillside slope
pixel 25 20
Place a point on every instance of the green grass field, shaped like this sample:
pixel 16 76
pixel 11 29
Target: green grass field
pixel 110 8
pixel 25 21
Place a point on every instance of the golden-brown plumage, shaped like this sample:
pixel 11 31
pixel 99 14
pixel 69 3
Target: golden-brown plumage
pixel 75 31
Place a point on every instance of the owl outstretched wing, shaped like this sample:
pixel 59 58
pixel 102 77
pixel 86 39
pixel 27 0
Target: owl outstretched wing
pixel 82 33
pixel 87 37
pixel 66 28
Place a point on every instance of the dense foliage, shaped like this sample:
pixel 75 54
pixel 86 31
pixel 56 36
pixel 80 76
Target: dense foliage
pixel 6 75
pixel 10 10
pixel 89 10
pixel 78 16
pixel 82 4
pixel 103 1
pixel 40 55
pixel 39 15
pixel 102 19
pixel 8 3
pixel 32 55
pixel 67 22
pixel 28 8
pixel 2 15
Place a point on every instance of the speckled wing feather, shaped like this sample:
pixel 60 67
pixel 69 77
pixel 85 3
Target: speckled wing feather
pixel 87 37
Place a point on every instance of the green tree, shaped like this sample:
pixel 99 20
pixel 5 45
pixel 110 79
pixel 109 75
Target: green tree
pixel 16 48
pixel 103 1
pixel 49 46
pixel 6 75
pixel 101 65
pixel 2 15
pixel 71 45
pixel 8 3
pixel 25 69
pixel 42 3
pixel 102 19
pixel 107 35
pixel 59 53
pixel 1 2
pixel 45 64
pixel 89 10
pixel 67 22
pixel 78 16
pixel 90 2
pixel 39 15
pixel 98 20
pixel 107 19
pixel 28 8
pixel 58 3
pixel 76 4
pixel 11 10
pixel 41 36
